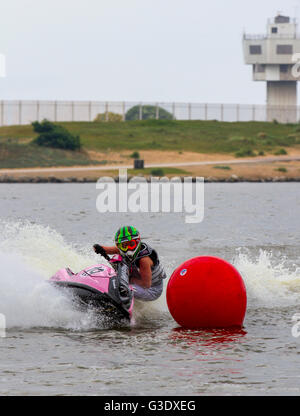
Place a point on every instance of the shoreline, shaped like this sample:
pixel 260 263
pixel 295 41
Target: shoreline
pixel 230 179
pixel 213 168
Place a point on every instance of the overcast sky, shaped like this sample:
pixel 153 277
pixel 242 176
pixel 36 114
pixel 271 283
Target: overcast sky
pixel 133 50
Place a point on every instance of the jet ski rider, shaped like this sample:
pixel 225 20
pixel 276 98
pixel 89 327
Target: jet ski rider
pixel 145 272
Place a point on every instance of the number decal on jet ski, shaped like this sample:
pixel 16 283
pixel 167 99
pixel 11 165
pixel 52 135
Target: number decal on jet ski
pixel 95 270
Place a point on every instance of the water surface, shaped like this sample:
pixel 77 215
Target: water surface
pixel 52 349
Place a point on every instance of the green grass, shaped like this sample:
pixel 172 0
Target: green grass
pixel 157 171
pixel 245 153
pixel 280 152
pixel 222 167
pixel 20 155
pixel 135 155
pixel 195 136
pixel 240 139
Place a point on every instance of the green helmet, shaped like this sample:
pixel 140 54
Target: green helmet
pixel 128 241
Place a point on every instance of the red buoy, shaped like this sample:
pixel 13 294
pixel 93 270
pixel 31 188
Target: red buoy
pixel 207 292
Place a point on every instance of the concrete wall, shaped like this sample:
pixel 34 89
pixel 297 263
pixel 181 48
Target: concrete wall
pixel 282 95
pixel 274 73
pixel 283 29
pixel 269 53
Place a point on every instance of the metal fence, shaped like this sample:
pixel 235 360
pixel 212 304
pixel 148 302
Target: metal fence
pixel 25 112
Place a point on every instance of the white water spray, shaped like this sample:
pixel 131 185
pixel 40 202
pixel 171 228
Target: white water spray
pixel 269 281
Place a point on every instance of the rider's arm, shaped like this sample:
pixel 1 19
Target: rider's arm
pixel 111 250
pixel 145 272
pixel 108 250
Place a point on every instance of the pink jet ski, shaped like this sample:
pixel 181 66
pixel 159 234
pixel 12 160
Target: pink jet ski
pixel 101 287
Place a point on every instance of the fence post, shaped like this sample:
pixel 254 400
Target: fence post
pixel 237 112
pixel 72 110
pixel 106 111
pixel 37 111
pixel 253 113
pixel 190 111
pixel 55 111
pixel 222 112
pixel 173 110
pixel 156 112
pixel 205 111
pixel 20 112
pixel 123 111
pixel 90 110
pixel 141 112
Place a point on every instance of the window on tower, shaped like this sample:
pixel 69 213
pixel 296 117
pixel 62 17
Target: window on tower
pixel 259 68
pixel 255 49
pixel 274 29
pixel 284 49
pixel 284 68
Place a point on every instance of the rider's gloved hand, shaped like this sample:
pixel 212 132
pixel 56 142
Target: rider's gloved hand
pixel 99 250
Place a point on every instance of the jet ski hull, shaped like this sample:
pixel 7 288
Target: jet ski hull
pixel 88 297
pixel 97 287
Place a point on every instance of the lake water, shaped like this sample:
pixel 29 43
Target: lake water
pixel 52 349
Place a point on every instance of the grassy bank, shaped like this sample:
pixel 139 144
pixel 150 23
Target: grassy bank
pixel 237 139
pixel 17 154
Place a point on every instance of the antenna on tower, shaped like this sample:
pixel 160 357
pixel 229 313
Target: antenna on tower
pixel 296 9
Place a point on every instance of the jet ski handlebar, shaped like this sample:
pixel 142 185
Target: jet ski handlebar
pixel 100 250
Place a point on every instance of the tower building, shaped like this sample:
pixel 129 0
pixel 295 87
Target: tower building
pixel 273 57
